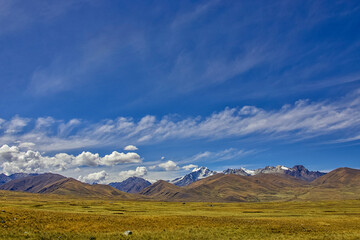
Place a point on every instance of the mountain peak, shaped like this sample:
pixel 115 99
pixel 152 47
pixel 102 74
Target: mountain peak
pixel 202 168
pixel 298 171
pixel 196 174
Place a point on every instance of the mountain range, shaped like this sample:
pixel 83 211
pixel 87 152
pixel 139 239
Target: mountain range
pixel 342 183
pixel 298 171
pixel 232 185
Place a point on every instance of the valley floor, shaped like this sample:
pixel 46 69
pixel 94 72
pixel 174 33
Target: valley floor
pixel 34 216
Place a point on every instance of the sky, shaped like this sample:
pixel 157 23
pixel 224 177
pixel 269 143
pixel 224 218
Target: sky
pixel 104 90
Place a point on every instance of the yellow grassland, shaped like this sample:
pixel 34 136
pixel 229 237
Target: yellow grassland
pixel 35 216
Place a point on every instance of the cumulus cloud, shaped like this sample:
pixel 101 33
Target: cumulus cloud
pixel 130 148
pixel 96 177
pixel 169 166
pixel 87 159
pixel 138 172
pixel 190 166
pixel 339 119
pixel 13 160
pixel 116 158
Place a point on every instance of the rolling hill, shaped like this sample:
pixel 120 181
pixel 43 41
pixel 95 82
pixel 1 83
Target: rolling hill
pixel 50 183
pixel 164 191
pixel 32 184
pixel 4 178
pixel 341 177
pixel 228 188
pixel 342 183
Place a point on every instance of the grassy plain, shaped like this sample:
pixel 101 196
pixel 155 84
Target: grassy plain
pixel 35 216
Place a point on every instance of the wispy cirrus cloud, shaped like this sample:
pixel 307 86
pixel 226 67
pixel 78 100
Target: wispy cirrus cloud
pixel 67 71
pixel 335 119
pixel 16 15
pixel 189 16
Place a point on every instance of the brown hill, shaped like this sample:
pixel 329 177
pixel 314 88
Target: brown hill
pixel 70 186
pixel 229 188
pixel 32 184
pixel 262 187
pixel 49 183
pixel 162 190
pixel 339 177
pixel 339 184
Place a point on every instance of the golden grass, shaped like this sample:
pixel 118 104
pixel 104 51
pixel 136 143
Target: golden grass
pixel 34 216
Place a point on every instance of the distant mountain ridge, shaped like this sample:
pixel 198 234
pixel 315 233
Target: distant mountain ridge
pixel 234 185
pixel 131 185
pixel 4 178
pixel 268 185
pixel 298 171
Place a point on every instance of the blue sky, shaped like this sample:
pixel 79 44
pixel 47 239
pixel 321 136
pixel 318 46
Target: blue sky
pixel 214 83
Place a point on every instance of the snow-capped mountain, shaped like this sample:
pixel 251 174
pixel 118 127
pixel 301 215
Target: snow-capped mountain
pixel 270 169
pixel 196 174
pixel 297 171
pixel 239 171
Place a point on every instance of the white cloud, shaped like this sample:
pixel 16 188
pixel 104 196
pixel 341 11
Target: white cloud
pixel 219 156
pixel 336 119
pixel 169 166
pixel 130 148
pixel 138 172
pixel 96 177
pixel 13 160
pixel 190 166
pixel 116 158
pixel 28 145
pixel 87 159
pixel 16 124
pixel 201 155
pixel 188 17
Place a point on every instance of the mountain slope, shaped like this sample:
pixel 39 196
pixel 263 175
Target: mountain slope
pixel 131 185
pixel 70 186
pixel 340 177
pixel 262 187
pixel 32 184
pixel 229 188
pixel 339 184
pixel 195 175
pixel 56 184
pixel 4 178
pixel 162 190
